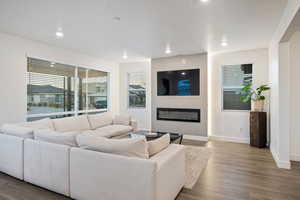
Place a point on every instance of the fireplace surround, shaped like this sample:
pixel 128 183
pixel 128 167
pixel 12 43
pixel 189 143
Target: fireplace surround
pixel 179 114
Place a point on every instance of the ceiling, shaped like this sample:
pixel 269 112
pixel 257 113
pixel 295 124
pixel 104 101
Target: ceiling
pixel 145 27
pixel 293 27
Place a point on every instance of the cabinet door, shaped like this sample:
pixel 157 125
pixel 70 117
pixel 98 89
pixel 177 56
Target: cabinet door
pixel 262 129
pixel 258 129
pixel 254 127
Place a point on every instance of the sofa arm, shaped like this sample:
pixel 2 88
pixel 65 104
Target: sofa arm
pixel 18 131
pixel 134 125
pixel 47 165
pixel 170 166
pixel 11 155
pixel 96 175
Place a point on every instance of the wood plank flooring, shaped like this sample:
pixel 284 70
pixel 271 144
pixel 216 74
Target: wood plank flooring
pixel 240 172
pixel 234 172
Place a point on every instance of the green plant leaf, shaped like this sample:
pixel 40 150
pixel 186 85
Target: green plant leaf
pixel 244 99
pixel 248 93
pixel 264 87
pixel 262 98
pixel 246 87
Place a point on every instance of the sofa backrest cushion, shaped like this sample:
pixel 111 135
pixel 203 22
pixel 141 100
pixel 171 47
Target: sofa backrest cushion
pixel 69 124
pixel 157 145
pixel 67 138
pixel 111 131
pixel 122 120
pixel 16 130
pixel 100 120
pixel 39 124
pixel 132 147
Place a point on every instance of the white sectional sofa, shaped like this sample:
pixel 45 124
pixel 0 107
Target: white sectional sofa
pixel 12 155
pixel 82 174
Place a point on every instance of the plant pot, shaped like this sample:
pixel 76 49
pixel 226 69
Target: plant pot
pixel 258 105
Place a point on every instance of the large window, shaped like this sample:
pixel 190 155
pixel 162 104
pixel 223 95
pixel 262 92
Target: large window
pixel 93 89
pixel 58 90
pixel 234 78
pixel 136 90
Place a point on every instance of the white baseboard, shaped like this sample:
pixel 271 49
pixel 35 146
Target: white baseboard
pixel 230 139
pixel 280 163
pixel 195 137
pixel 295 158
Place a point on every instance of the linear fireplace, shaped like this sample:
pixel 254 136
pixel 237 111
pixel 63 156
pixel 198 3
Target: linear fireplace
pixel 179 114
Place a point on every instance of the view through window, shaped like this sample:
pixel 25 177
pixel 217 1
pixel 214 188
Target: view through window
pixel 137 90
pixel 234 78
pixel 51 89
pixel 93 89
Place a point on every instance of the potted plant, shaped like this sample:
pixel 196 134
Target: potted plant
pixel 255 95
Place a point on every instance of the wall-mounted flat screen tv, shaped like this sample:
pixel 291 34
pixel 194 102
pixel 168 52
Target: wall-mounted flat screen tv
pixel 178 83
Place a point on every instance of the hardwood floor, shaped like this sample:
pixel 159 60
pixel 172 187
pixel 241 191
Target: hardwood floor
pixel 240 172
pixel 234 172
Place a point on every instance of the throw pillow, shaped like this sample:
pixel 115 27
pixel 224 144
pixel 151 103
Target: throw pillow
pixel 122 120
pixel 157 145
pixel 66 138
pixel 132 147
pixel 100 120
pixel 39 124
pixel 68 124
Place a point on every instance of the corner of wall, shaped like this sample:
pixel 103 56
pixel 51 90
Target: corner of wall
pixel 284 164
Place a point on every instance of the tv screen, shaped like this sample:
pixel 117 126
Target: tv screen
pixel 178 83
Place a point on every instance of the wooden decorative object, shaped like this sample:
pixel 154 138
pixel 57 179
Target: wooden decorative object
pixel 258 129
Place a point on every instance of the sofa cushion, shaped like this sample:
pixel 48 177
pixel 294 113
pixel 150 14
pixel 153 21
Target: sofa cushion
pixel 113 130
pixel 157 145
pixel 66 138
pixel 69 124
pixel 100 120
pixel 16 130
pixel 109 131
pixel 39 124
pixel 132 147
pixel 122 120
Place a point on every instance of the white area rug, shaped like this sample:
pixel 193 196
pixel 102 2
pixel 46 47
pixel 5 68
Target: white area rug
pixel 196 160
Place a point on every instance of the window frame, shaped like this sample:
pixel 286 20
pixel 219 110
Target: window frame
pixel 76 110
pixel 128 91
pixel 237 87
pixel 87 102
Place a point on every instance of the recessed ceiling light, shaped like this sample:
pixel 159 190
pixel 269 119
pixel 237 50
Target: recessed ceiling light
pixel 125 56
pixel 204 1
pixel 59 34
pixel 224 43
pixel 168 50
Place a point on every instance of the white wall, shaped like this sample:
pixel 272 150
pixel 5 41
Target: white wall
pixel 198 102
pixel 13 66
pixel 294 49
pixel 143 116
pixel 232 125
pixel 280 137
